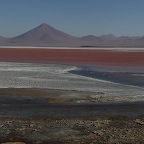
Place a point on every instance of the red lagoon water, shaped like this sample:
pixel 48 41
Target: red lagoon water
pixel 73 56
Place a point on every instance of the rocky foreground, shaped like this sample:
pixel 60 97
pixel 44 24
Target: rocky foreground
pixel 46 116
pixel 112 129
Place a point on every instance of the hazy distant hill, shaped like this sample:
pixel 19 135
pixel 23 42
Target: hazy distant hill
pixel 45 35
pixel 90 38
pixel 108 37
pixel 3 40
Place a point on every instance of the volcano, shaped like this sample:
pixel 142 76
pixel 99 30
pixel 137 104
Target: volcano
pixel 43 35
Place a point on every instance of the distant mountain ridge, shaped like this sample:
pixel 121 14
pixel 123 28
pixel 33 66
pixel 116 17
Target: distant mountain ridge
pixel 46 35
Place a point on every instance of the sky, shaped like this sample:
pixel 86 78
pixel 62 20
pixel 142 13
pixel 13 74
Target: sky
pixel 75 17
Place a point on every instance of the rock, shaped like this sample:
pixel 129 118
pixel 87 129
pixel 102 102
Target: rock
pixel 13 143
pixel 95 132
pixel 138 121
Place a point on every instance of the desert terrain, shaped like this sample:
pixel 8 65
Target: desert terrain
pixel 71 96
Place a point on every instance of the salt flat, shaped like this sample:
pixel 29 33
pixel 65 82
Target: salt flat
pixel 54 76
pixel 80 48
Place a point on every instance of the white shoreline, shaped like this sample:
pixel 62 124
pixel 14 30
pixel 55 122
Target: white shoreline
pixel 78 48
pixel 54 76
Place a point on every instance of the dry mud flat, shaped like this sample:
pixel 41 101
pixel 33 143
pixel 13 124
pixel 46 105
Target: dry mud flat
pixel 53 119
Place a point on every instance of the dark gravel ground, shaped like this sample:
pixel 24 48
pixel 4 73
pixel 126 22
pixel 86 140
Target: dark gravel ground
pixel 46 119
pixel 112 129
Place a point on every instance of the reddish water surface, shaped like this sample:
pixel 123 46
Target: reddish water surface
pixel 73 56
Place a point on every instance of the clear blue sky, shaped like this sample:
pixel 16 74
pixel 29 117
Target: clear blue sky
pixel 76 17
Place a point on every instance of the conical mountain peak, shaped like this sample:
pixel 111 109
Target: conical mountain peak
pixel 44 25
pixel 44 34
